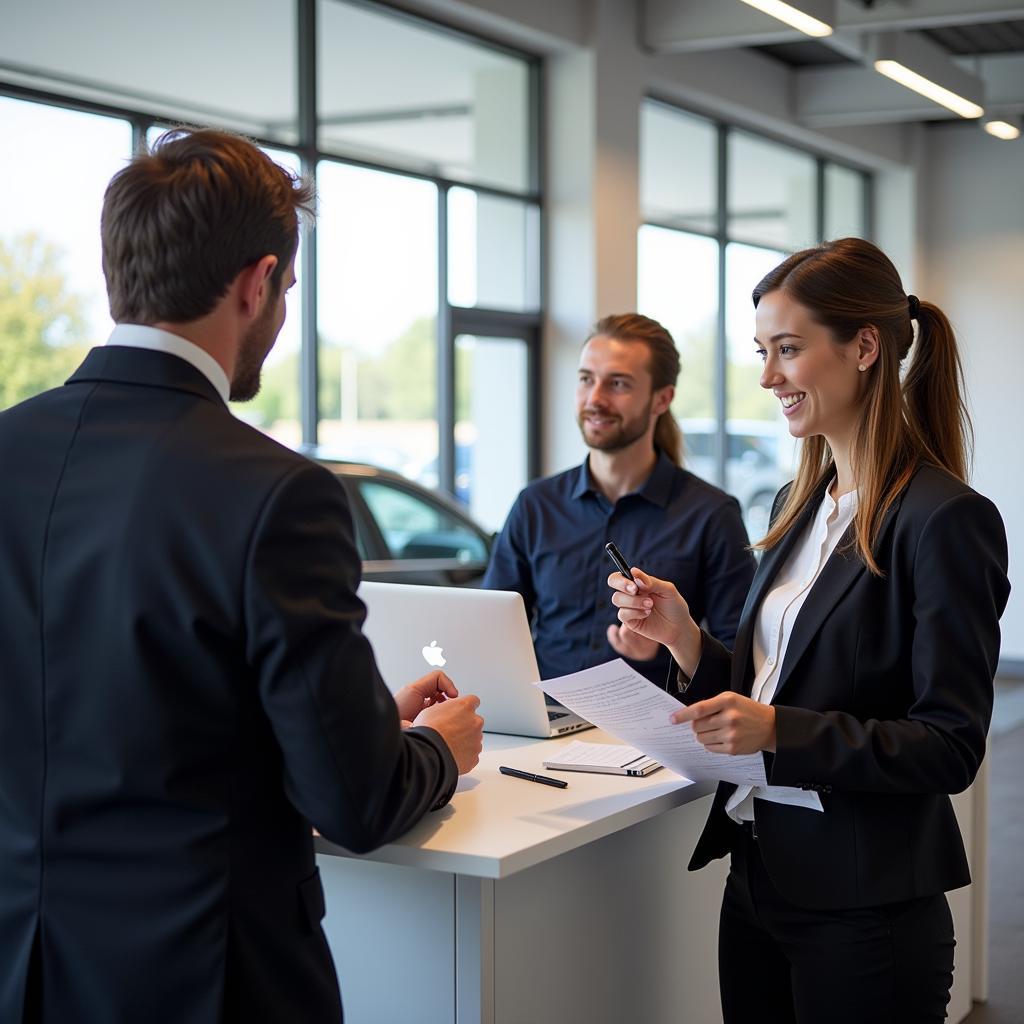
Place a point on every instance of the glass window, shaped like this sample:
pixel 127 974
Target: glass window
pixel 493 252
pixel 491 429
pixel 845 200
pixel 760 452
pixel 53 298
pixel 276 408
pixel 377 313
pixel 678 287
pixel 184 59
pixel 414 527
pixel 397 92
pixel 678 161
pixel 772 191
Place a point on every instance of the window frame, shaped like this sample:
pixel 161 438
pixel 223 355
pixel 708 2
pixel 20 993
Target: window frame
pixel 450 318
pixel 723 239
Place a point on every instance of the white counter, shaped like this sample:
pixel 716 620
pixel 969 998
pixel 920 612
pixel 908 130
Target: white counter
pixel 520 903
pixel 497 825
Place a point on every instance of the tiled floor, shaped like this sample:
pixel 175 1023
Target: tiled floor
pixel 1006 862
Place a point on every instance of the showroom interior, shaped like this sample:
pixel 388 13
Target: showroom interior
pixel 494 176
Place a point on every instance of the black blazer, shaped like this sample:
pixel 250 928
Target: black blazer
pixel 184 688
pixel 882 706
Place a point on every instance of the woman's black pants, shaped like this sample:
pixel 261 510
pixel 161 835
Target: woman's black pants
pixel 778 963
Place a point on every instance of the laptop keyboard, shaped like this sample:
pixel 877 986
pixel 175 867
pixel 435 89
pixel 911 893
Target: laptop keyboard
pixel 554 715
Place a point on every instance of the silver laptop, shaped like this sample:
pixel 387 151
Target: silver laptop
pixel 480 638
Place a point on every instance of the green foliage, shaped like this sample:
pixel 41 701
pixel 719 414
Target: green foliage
pixel 401 383
pixel 695 393
pixel 43 332
pixel 278 398
pixel 695 390
pixel 747 399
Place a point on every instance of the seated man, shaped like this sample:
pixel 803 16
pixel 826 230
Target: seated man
pixel 631 489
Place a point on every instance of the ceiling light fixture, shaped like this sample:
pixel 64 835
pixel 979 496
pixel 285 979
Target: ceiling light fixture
pixel 793 16
pixel 919 64
pixel 929 89
pixel 1002 130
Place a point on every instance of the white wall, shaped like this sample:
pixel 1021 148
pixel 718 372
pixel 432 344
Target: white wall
pixel 972 265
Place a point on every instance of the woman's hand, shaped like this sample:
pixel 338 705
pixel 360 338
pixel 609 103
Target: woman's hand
pixel 433 688
pixel 729 723
pixel 655 610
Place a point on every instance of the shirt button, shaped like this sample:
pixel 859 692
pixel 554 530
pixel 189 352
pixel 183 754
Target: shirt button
pixel 771 661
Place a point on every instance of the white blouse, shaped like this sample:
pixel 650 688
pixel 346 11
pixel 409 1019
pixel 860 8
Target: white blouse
pixel 774 626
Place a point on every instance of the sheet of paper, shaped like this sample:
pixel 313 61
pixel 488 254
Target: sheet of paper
pixel 611 755
pixel 631 708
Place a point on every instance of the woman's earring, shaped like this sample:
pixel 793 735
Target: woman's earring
pixel 862 367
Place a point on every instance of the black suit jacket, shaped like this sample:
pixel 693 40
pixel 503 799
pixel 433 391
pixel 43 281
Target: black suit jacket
pixel 184 688
pixel 882 706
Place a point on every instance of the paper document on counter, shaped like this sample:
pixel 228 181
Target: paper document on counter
pixel 631 708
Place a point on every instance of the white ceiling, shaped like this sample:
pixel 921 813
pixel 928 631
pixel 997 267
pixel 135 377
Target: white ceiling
pixel 841 87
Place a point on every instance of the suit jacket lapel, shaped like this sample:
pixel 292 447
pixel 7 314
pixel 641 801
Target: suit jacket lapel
pixel 768 568
pixel 839 573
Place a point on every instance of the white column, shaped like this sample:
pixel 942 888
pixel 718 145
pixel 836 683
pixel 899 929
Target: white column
pixel 592 164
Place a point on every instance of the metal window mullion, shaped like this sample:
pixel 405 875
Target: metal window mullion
pixel 868 205
pixel 820 197
pixel 721 342
pixel 309 370
pixel 445 355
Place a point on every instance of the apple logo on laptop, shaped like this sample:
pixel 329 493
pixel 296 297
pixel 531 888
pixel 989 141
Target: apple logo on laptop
pixel 434 655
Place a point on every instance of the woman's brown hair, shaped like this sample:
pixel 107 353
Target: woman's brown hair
pixel 663 367
pixel 847 285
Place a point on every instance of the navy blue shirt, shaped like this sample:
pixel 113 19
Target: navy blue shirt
pixel 676 526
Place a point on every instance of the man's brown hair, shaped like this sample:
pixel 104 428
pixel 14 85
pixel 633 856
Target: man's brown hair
pixel 663 367
pixel 181 221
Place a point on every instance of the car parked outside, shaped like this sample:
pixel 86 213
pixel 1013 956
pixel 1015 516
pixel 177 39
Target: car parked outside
pixel 757 456
pixel 409 534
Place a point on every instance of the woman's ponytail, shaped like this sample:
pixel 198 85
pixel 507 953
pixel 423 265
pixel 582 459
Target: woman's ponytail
pixel 933 392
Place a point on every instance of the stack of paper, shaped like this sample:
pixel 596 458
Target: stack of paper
pixel 610 758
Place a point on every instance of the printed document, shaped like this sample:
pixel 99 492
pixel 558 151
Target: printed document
pixel 631 708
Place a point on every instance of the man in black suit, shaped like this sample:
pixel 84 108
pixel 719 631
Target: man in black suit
pixel 184 684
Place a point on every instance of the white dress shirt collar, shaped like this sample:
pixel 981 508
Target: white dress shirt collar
pixel 140 336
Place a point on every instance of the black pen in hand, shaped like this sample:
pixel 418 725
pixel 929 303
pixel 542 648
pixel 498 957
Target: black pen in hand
pixel 530 777
pixel 620 563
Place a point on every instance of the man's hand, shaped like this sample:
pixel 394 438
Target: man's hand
pixel 433 688
pixel 630 644
pixel 729 723
pixel 460 727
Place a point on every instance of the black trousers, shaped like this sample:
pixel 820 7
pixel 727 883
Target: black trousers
pixel 780 963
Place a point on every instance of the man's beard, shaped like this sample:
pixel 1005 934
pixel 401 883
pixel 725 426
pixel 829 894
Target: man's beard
pixel 254 347
pixel 615 439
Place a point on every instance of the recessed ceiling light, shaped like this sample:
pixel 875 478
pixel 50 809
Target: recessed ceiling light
pixel 1002 130
pixel 926 87
pixel 793 16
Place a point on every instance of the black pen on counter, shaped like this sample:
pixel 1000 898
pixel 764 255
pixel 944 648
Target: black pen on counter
pixel 530 777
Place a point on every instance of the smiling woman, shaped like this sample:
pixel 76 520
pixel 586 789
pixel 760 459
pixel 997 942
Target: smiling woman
pixel 835 326
pixel 863 662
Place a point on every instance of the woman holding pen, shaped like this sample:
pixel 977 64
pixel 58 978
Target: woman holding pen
pixel 863 664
